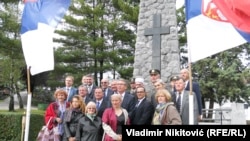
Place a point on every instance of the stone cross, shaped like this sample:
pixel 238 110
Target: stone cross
pixel 157 45
pixel 156 32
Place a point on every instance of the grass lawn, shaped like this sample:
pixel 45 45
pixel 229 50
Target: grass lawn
pixel 23 111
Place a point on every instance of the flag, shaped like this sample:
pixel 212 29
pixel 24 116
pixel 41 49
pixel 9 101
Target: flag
pixel 39 20
pixel 211 28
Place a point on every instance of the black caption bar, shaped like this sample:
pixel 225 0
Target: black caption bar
pixel 205 132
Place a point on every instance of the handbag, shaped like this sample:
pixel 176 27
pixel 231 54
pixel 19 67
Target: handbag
pixel 49 135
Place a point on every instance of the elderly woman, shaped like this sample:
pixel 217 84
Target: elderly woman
pixel 113 118
pixel 72 117
pixel 90 126
pixel 165 112
pixel 55 111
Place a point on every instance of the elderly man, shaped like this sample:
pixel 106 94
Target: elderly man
pixel 106 90
pixel 195 88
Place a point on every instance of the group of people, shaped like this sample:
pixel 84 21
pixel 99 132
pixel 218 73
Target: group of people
pixel 97 113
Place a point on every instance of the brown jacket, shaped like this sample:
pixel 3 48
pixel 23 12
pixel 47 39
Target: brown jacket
pixel 171 116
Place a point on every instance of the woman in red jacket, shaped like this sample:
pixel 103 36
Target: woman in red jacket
pixel 113 118
pixel 55 111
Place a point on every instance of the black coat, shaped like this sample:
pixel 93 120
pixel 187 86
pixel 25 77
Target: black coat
pixel 71 126
pixel 88 130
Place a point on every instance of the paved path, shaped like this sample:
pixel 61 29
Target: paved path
pixel 4 105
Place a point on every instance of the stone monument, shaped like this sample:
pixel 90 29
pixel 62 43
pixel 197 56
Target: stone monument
pixel 157 40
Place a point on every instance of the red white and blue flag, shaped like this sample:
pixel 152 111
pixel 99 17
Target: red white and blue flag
pixel 39 20
pixel 214 26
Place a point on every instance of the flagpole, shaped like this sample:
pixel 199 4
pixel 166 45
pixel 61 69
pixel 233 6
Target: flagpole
pixel 27 123
pixel 191 98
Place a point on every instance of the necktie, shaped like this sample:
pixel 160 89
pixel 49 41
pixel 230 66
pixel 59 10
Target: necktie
pixel 178 103
pixel 89 89
pixel 105 92
pixel 67 93
pixel 137 103
pixel 97 105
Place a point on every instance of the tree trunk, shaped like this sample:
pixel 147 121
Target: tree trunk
pixel 11 104
pixel 20 100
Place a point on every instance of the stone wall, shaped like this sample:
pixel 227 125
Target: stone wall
pixel 170 58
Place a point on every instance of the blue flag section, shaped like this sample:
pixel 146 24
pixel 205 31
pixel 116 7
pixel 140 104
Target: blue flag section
pixel 212 27
pixel 39 20
pixel 195 132
pixel 49 12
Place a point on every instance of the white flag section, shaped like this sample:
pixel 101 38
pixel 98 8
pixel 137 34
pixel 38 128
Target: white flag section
pixel 38 48
pixel 207 37
pixel 208 31
pixel 39 20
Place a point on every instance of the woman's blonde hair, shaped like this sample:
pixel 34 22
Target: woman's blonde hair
pixel 116 96
pixel 82 104
pixel 90 104
pixel 163 92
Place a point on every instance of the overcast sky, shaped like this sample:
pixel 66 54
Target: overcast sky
pixel 179 3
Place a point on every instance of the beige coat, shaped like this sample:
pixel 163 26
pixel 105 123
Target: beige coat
pixel 171 116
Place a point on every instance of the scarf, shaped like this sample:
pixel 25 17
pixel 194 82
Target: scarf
pixel 62 108
pixel 68 116
pixel 158 113
pixel 91 116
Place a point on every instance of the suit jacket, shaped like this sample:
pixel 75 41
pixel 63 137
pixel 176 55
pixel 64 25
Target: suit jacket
pixel 108 96
pixel 185 108
pixel 73 91
pixel 128 102
pixel 142 115
pixel 196 90
pixel 87 100
pixel 103 106
pixel 91 94
pixel 153 100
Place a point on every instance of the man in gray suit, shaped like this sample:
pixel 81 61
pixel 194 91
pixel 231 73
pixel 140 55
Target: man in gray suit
pixel 183 105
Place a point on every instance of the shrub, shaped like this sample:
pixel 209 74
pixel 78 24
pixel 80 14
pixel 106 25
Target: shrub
pixel 42 95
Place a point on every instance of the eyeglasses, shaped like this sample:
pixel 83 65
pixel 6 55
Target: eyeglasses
pixel 140 92
pixel 104 82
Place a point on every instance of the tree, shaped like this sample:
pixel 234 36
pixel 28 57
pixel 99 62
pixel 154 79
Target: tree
pixel 95 38
pixel 223 76
pixel 11 55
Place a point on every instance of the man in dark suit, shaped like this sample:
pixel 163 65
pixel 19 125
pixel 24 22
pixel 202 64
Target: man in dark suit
pixel 69 88
pixel 101 103
pixel 90 85
pixel 128 100
pixel 195 88
pixel 144 109
pixel 83 91
pixel 183 105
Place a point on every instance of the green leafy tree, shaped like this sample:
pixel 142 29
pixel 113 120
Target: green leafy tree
pixel 11 55
pixel 222 76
